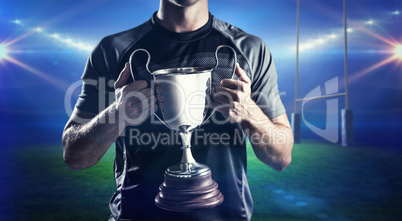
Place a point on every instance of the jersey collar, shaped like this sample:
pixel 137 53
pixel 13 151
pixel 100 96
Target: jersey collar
pixel 187 36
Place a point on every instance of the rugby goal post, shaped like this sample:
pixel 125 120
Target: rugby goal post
pixel 347 135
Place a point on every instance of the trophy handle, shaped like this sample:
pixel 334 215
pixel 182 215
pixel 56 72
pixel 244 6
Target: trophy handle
pixel 234 54
pixel 147 68
pixel 216 65
pixel 130 60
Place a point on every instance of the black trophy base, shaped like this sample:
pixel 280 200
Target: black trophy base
pixel 188 194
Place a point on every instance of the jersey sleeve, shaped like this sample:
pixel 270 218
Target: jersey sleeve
pixel 264 82
pixel 95 91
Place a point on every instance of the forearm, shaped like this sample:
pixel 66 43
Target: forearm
pixel 272 141
pixel 88 136
pixel 84 144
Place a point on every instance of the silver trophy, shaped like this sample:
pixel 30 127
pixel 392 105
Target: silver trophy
pixel 184 99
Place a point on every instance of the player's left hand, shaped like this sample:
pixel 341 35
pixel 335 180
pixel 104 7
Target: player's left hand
pixel 232 98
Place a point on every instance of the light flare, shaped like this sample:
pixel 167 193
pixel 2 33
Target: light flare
pixel 371 68
pixel 6 50
pixel 48 78
pixel 391 41
pixel 39 29
pixel 398 52
pixel 395 57
pixel 3 52
pixel 392 48
pixel 74 43
pixel 312 43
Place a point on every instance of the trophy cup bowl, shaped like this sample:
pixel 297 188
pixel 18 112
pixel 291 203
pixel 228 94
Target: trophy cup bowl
pixel 183 97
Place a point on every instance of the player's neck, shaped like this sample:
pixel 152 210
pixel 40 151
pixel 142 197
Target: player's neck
pixel 183 19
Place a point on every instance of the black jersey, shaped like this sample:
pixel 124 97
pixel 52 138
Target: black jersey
pixel 144 152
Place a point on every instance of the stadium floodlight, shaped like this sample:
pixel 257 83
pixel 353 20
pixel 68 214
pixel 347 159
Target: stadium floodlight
pixel 39 29
pixel 55 35
pixel 398 52
pixel 332 36
pixel 3 52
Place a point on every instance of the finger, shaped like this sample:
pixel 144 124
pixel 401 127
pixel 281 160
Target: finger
pixel 152 109
pixel 161 105
pixel 146 99
pixel 222 98
pixel 149 106
pixel 147 92
pixel 242 74
pixel 232 84
pixel 141 113
pixel 137 85
pixel 149 101
pixel 215 105
pixel 223 109
pixel 158 89
pixel 159 97
pixel 123 77
pixel 220 106
pixel 152 100
pixel 231 94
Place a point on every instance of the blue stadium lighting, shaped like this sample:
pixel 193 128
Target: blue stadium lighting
pixel 398 52
pixel 396 12
pixel 320 41
pixel 3 52
pixel 370 22
pixel 55 35
pixel 315 42
pixel 72 43
pixel 39 29
pixel 69 42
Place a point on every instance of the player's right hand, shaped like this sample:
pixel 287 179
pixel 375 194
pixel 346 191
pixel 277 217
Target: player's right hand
pixel 136 101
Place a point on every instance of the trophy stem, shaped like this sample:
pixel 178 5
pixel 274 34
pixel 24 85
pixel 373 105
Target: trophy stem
pixel 187 156
pixel 189 185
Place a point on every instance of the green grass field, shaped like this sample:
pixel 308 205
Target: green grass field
pixel 323 182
